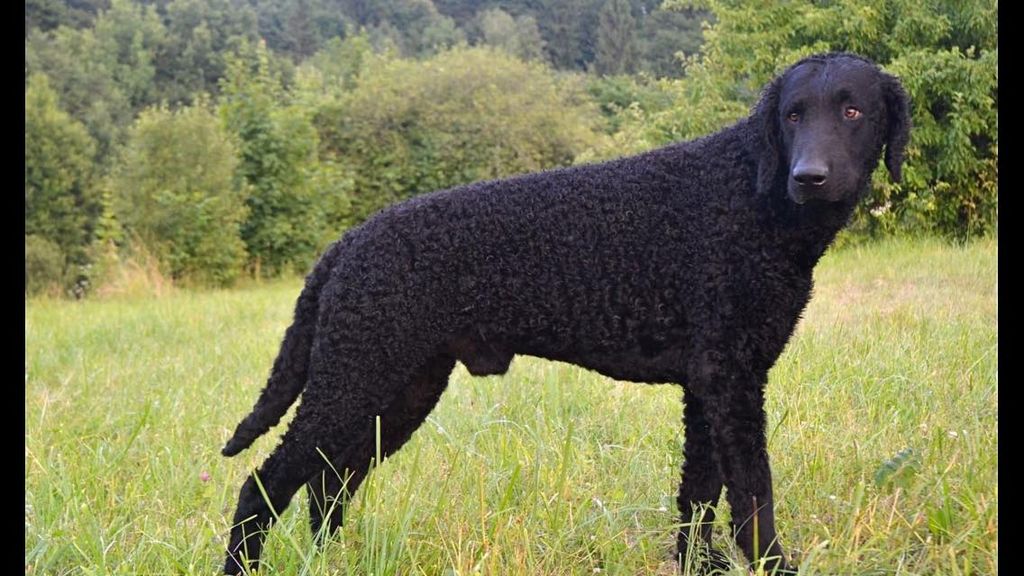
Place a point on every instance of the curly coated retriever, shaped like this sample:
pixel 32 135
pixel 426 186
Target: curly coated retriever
pixel 689 264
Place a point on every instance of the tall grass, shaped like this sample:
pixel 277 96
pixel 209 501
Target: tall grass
pixel 882 433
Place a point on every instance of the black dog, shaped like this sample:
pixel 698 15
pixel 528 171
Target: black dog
pixel 689 264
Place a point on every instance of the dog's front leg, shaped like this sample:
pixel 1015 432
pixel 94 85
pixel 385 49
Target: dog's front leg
pixel 733 402
pixel 700 488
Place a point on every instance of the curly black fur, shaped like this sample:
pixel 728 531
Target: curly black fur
pixel 689 264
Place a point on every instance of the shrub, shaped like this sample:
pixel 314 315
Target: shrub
pixel 61 203
pixel 467 114
pixel 44 266
pixel 175 191
pixel 277 160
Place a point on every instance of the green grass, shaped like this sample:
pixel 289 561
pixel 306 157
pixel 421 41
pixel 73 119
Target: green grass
pixel 882 434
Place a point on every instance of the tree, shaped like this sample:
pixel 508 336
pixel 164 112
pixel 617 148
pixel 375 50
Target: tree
pixel 60 203
pixel 468 114
pixel 103 75
pixel 200 35
pixel 497 28
pixel 620 97
pixel 423 30
pixel 175 192
pixel 83 81
pixel 667 34
pixel 128 37
pixel 616 48
pixel 277 148
pixel 45 15
pixel 951 180
pixel 412 27
pixel 341 61
pixel 298 28
pixel 517 36
pixel 563 33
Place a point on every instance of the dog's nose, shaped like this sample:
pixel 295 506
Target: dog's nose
pixel 810 173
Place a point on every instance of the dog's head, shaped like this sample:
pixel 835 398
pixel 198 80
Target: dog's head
pixel 825 121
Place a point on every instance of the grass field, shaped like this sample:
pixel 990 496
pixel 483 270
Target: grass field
pixel 882 433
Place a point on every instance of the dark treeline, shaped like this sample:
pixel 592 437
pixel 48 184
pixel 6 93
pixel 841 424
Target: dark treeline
pixel 225 138
pixel 621 36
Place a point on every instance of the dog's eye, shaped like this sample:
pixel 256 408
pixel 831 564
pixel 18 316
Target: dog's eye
pixel 793 117
pixel 851 113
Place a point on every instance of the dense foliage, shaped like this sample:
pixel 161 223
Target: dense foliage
pixel 946 55
pixel 61 204
pixel 175 192
pixel 230 137
pixel 468 114
pixel 277 153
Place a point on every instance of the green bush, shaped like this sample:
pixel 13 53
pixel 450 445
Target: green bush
pixel 465 115
pixel 44 266
pixel 277 152
pixel 175 191
pixel 615 95
pixel 951 179
pixel 61 203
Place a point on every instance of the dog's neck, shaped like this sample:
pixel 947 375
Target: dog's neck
pixel 818 224
pixel 806 231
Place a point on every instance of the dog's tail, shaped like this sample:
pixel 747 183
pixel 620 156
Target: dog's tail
pixel 291 368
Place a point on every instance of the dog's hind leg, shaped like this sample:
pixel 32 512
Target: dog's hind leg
pixel 269 490
pixel 335 418
pixel 329 489
pixel 325 492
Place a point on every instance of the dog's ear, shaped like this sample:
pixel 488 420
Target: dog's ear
pixel 766 115
pixel 897 110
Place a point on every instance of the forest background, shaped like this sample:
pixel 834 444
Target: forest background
pixel 211 142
